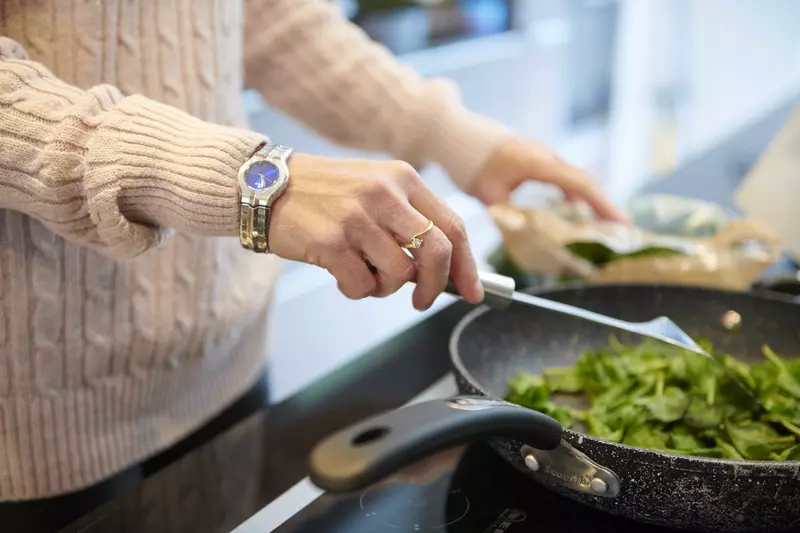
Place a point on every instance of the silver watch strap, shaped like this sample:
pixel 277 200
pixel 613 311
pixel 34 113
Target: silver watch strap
pixel 254 214
pixel 254 230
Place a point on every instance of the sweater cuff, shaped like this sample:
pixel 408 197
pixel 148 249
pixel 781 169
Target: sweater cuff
pixel 152 169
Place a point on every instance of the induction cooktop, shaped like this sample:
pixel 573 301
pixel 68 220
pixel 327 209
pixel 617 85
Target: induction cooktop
pixel 464 490
pixel 467 489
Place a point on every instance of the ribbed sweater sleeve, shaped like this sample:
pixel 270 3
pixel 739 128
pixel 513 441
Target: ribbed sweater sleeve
pixel 111 172
pixel 311 62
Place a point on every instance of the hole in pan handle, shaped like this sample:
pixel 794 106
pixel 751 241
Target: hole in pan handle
pixel 367 452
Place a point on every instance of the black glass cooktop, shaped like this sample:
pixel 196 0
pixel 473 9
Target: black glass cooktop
pixel 469 490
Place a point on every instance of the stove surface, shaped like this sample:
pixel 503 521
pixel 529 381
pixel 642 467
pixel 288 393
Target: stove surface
pixel 465 490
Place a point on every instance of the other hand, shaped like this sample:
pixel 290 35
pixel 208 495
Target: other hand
pixel 340 213
pixel 518 161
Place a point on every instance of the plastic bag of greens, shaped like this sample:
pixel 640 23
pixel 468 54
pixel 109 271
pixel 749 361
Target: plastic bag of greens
pixel 672 240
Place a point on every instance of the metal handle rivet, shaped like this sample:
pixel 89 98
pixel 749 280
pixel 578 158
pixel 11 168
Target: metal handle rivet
pixel 599 486
pixel 532 463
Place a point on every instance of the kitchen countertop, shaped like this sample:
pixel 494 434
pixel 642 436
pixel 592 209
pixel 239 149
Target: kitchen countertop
pixel 221 484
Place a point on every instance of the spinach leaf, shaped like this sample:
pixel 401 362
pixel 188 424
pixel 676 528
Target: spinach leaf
pixel 682 438
pixel 599 428
pixel 757 440
pixel 789 454
pixel 701 415
pixel 646 436
pixel 656 396
pixel 529 390
pixel 666 405
pixel 785 380
pixel 562 379
pixel 599 254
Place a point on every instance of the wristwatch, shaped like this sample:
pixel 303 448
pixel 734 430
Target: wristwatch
pixel 262 180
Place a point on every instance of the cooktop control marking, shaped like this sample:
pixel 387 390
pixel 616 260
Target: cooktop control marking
pixel 417 506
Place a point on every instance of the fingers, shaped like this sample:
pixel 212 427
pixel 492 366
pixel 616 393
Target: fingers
pixel 431 267
pixel 354 278
pixel 578 185
pixel 463 269
pixel 393 267
pixel 445 252
pixel 362 214
pixel 581 188
pixel 523 161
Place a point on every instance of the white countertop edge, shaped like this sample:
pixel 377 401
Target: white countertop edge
pixel 305 492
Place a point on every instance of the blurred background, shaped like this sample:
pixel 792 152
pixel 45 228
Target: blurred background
pixel 628 89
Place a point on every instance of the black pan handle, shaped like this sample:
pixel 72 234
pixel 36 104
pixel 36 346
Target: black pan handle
pixel 367 452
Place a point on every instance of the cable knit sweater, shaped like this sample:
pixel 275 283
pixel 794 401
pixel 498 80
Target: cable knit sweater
pixel 129 313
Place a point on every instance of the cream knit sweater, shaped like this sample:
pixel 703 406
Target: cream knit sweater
pixel 129 314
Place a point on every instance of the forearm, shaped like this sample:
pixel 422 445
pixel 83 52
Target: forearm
pixel 309 61
pixel 109 171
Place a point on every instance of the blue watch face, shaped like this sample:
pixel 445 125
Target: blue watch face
pixel 261 175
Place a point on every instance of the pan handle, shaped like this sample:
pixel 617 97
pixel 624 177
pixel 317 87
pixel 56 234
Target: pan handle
pixel 498 289
pixel 568 467
pixel 367 452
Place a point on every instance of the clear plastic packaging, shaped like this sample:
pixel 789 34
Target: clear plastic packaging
pixel 672 240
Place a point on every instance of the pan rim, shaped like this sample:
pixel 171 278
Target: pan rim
pixel 473 315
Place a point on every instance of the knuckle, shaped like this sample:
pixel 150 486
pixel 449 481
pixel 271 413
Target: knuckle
pixel 313 258
pixel 407 272
pixel 333 243
pixel 354 218
pixel 395 277
pixel 376 189
pixel 347 290
pixel 361 288
pixel 403 272
pixel 581 181
pixel 402 168
pixel 458 229
pixel 380 196
pixel 404 173
pixel 441 249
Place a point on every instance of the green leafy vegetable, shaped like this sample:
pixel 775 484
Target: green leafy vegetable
pixel 757 440
pixel 646 436
pixel 599 254
pixel 563 379
pixel 656 396
pixel 682 438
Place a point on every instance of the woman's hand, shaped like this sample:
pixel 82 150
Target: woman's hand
pixel 340 213
pixel 517 162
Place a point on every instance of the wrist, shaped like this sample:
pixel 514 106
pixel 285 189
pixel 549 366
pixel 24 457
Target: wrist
pixel 262 180
pixel 462 142
pixel 165 169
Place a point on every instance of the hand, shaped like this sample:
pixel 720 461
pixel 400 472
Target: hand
pixel 517 162
pixel 339 213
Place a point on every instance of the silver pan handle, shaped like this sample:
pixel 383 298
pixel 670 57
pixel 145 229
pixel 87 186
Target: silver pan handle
pixel 498 289
pixel 566 466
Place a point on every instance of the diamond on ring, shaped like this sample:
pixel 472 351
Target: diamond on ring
pixel 416 240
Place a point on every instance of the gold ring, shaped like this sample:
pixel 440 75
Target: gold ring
pixel 416 240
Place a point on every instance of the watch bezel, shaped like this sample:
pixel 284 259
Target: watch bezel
pixel 270 194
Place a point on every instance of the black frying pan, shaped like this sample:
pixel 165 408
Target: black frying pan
pixel 488 347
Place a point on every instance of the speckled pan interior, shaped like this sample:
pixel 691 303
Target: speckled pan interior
pixel 490 347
